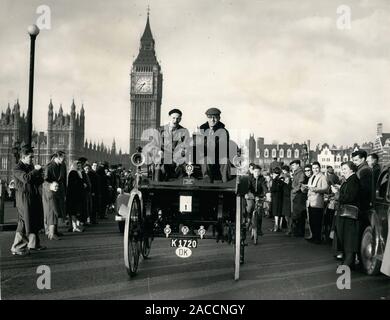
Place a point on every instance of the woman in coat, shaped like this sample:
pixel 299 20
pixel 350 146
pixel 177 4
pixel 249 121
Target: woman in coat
pixel 277 199
pixel 317 187
pixel 74 196
pixel 346 228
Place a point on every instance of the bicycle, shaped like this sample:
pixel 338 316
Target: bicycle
pixel 256 217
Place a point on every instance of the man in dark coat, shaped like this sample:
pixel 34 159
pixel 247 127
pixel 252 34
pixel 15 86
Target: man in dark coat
pixel 372 161
pixel 257 190
pixel 28 179
pixel 103 190
pixel 364 173
pixel 53 194
pixel 298 199
pixel 366 194
pixel 216 138
pixel 277 199
pixel 93 178
pixel 86 192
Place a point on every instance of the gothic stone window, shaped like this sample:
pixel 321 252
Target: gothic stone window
pixel 296 153
pixel 281 153
pixel 4 163
pixel 6 139
pixel 273 153
pixel 289 153
pixel 266 153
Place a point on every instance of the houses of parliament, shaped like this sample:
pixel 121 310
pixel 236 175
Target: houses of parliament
pixel 65 132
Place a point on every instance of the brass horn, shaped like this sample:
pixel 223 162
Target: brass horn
pixel 137 159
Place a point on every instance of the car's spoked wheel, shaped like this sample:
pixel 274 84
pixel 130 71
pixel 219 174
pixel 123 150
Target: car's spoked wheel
pixel 131 238
pixel 146 246
pixel 370 262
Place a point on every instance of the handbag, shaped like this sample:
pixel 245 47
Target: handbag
pixel 349 211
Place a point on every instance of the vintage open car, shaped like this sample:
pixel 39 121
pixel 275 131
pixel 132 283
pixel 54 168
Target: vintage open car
pixel 186 210
pixel 374 238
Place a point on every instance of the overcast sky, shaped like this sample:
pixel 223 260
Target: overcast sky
pixel 280 69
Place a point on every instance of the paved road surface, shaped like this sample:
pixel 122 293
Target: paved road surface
pixel 90 266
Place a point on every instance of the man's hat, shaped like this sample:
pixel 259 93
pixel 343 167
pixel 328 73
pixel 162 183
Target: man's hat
pixel 175 111
pixel 213 112
pixel 27 149
pixel 82 159
pixel 361 153
pixel 298 162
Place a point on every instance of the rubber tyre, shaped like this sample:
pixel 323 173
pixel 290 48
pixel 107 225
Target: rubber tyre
pixel 371 264
pixel 131 241
pixel 146 246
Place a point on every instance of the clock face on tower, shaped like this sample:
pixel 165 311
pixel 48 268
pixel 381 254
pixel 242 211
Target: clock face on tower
pixel 143 84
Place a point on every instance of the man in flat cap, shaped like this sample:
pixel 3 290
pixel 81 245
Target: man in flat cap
pixel 216 143
pixel 173 139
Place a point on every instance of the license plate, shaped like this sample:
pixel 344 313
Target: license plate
pixel 185 203
pixel 184 243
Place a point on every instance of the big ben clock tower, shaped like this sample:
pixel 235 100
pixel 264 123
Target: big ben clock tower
pixel 145 90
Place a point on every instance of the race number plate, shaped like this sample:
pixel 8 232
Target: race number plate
pixel 186 243
pixel 185 203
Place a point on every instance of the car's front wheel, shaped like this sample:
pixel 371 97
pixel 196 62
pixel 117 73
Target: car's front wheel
pixel 370 261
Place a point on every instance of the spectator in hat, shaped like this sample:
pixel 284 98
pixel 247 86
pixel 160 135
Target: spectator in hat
pixel 216 138
pixel 28 179
pixel 172 147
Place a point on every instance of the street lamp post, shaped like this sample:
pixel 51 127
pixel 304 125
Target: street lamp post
pixel 33 30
